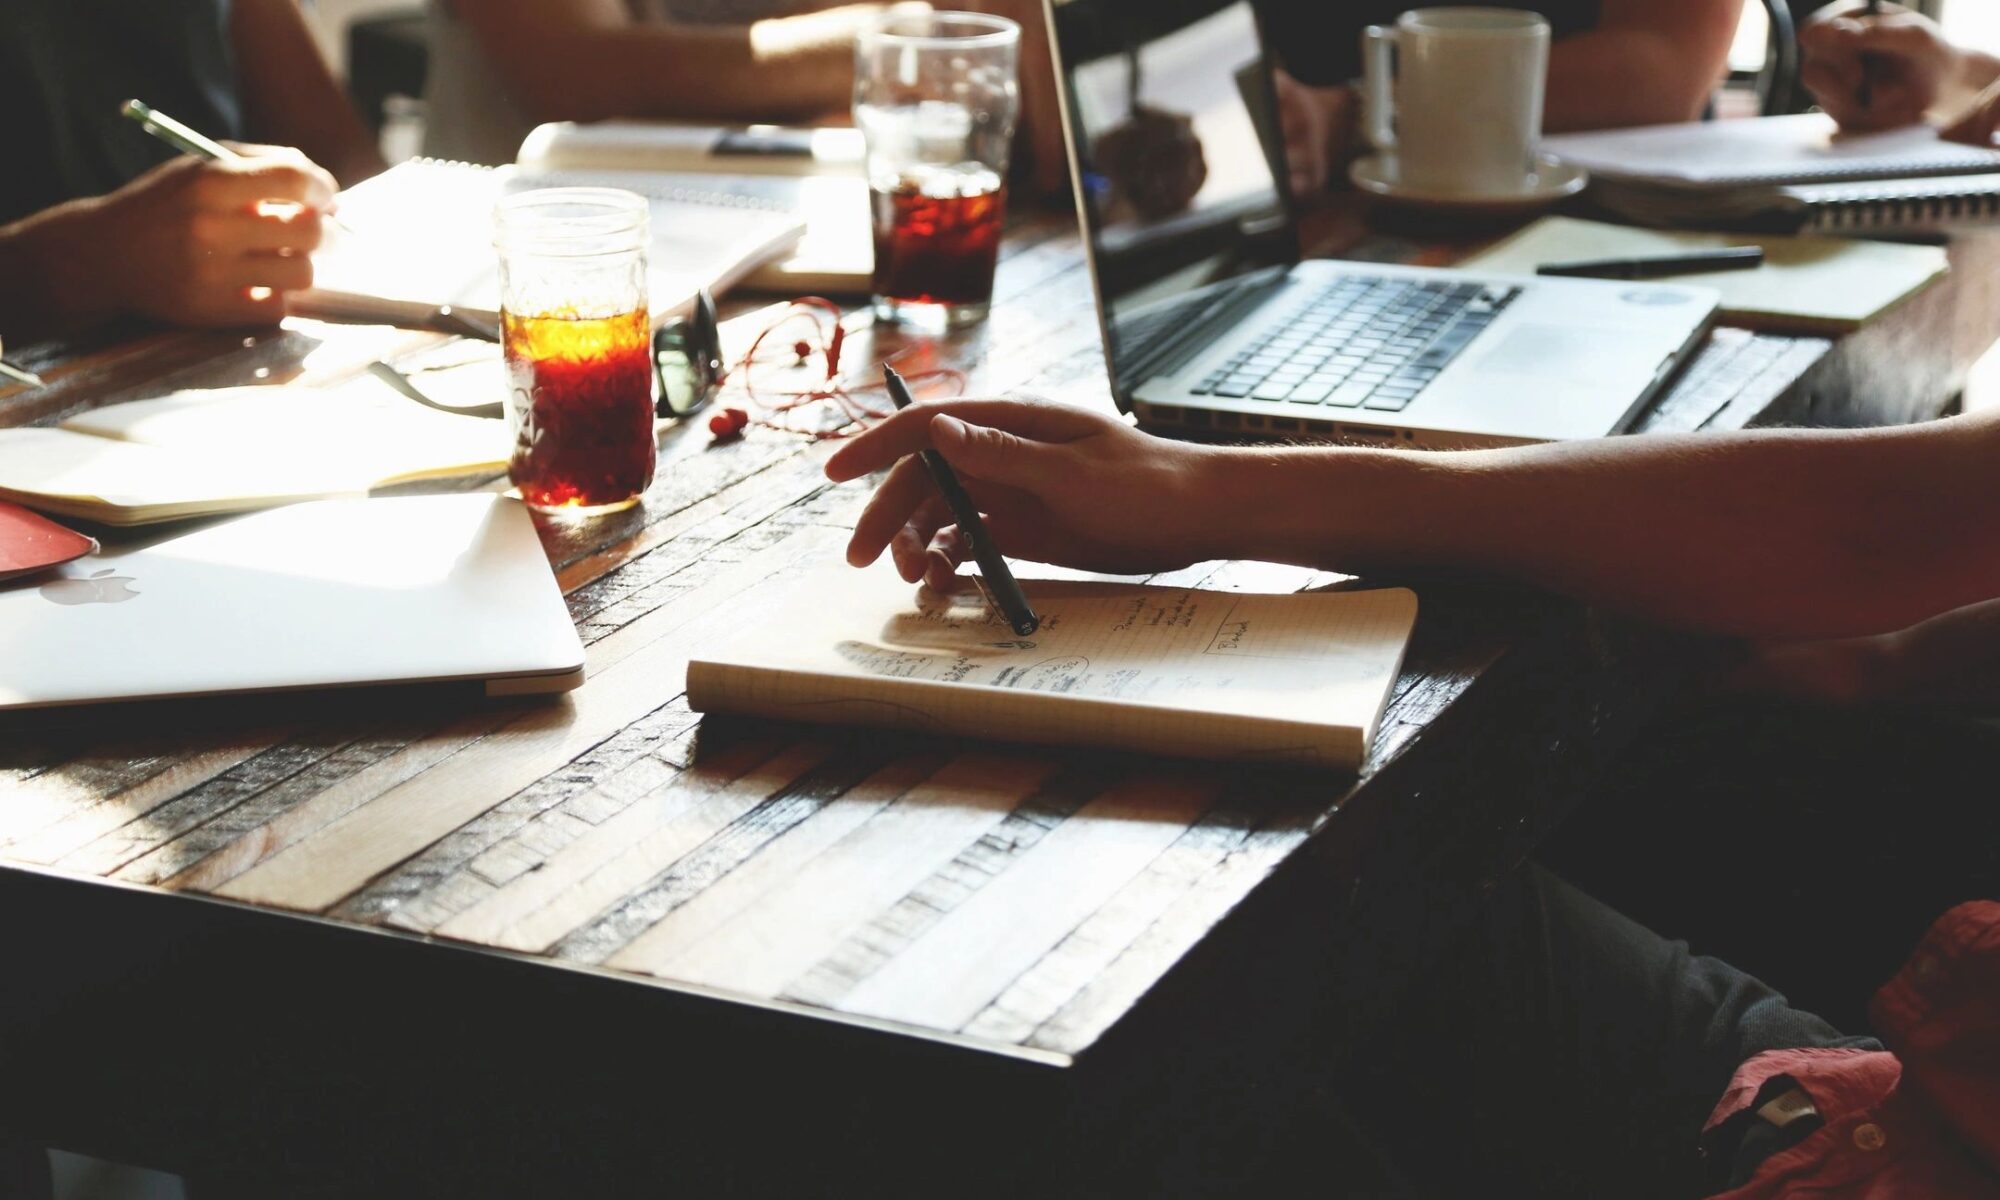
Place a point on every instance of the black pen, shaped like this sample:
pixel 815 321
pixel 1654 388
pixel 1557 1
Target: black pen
pixel 190 141
pixel 1005 592
pixel 1725 258
pixel 16 374
pixel 1864 94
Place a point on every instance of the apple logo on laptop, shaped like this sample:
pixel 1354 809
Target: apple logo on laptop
pixel 101 588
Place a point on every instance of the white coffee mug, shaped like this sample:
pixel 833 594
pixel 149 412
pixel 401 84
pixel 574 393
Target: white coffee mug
pixel 1461 106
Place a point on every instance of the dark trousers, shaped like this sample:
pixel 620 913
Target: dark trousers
pixel 24 1171
pixel 1813 846
pixel 1566 1050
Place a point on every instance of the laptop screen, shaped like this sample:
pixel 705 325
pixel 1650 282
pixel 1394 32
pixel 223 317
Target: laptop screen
pixel 1182 176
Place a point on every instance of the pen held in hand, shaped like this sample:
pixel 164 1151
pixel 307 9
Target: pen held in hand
pixel 28 378
pixel 188 140
pixel 999 581
pixel 17 374
pixel 1724 258
pixel 1864 91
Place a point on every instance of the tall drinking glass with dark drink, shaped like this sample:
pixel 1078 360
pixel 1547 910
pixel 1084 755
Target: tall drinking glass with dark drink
pixel 936 96
pixel 578 344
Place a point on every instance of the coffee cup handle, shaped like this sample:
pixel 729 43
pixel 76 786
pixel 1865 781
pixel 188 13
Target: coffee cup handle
pixel 1378 72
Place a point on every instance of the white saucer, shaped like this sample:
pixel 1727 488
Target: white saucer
pixel 1377 175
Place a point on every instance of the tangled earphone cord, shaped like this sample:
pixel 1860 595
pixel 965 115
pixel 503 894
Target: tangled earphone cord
pixel 774 413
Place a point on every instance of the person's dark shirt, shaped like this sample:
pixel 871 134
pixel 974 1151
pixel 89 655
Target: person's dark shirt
pixel 66 66
pixel 1320 42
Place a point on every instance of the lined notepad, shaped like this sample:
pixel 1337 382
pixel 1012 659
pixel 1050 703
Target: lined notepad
pixel 1805 285
pixel 1806 148
pixel 423 236
pixel 223 450
pixel 1295 678
pixel 826 188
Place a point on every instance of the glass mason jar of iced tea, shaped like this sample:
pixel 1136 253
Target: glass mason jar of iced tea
pixel 578 341
pixel 936 97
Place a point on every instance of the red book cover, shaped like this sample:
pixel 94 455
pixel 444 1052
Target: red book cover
pixel 30 543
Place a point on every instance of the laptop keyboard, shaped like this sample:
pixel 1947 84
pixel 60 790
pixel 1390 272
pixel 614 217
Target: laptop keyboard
pixel 1361 342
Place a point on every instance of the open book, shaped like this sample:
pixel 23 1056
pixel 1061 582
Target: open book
pixel 1786 174
pixel 1805 285
pixel 1300 678
pixel 422 235
pixel 794 151
pixel 1806 148
pixel 200 453
pixel 814 173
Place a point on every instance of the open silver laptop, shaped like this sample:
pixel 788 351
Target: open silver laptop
pixel 336 593
pixel 1212 323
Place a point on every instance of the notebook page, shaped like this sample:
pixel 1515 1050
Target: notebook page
pixel 1134 665
pixel 422 233
pixel 359 434
pixel 706 232
pixel 124 482
pixel 1812 284
pixel 1795 149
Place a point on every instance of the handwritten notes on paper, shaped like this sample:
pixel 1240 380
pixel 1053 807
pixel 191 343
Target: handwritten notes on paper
pixel 1167 669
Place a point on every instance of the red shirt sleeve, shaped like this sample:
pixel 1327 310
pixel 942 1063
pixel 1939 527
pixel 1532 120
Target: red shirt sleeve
pixel 1941 1015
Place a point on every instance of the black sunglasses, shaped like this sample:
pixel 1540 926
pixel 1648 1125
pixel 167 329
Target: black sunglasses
pixel 687 359
pixel 687 363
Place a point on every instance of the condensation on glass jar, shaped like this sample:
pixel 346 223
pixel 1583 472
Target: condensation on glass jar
pixel 578 344
pixel 936 98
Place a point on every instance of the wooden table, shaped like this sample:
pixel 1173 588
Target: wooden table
pixel 795 956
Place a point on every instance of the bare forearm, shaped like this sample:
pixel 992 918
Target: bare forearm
pixel 1613 78
pixel 50 281
pixel 729 72
pixel 290 95
pixel 1953 659
pixel 1774 533
pixel 1645 63
pixel 1976 71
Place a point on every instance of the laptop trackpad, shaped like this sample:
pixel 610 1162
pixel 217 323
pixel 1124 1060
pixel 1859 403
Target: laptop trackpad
pixel 1571 353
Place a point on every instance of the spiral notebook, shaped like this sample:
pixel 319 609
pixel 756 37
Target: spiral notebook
pixel 1899 206
pixel 1805 284
pixel 1794 174
pixel 1766 151
pixel 421 234
pixel 207 452
pixel 816 173
pixel 1299 678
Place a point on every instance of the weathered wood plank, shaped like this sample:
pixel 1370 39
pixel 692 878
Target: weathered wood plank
pixel 781 933
pixel 663 736
pixel 945 977
pixel 1096 942
pixel 197 805
pixel 57 811
pixel 633 672
pixel 253 843
pixel 1132 973
pixel 879 939
pixel 600 868
pixel 702 893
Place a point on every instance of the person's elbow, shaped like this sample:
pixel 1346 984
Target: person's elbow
pixel 554 68
pixel 1677 82
pixel 559 81
pixel 1883 567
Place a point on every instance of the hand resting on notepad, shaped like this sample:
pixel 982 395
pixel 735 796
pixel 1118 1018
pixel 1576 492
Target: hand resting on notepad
pixel 1685 530
pixel 1895 69
pixel 1057 484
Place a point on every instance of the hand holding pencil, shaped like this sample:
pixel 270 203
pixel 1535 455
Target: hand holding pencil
pixel 1052 483
pixel 10 375
pixel 1876 67
pixel 197 240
